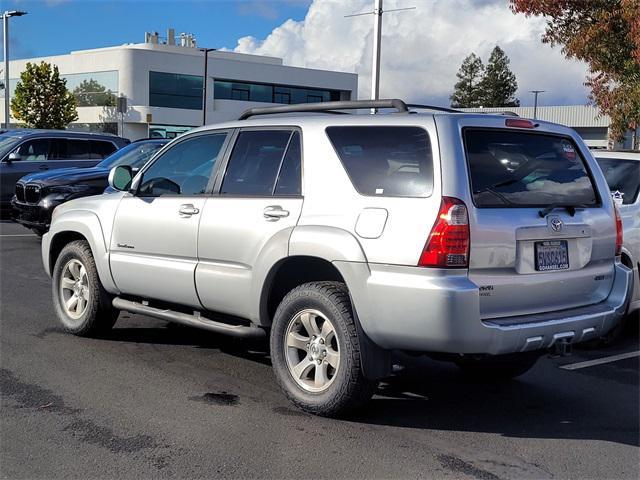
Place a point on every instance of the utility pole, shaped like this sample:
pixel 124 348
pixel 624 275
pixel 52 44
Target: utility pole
pixel 535 101
pixel 204 84
pixel 5 24
pixel 377 41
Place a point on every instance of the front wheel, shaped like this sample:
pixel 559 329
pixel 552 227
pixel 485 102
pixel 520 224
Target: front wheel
pixel 82 305
pixel 315 350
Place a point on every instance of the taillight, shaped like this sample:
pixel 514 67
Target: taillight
pixel 448 242
pixel 619 236
pixel 519 123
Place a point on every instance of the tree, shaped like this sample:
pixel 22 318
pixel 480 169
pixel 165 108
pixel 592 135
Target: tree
pixel 92 93
pixel 466 93
pixel 606 35
pixel 499 85
pixel 41 98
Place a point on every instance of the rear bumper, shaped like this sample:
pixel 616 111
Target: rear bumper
pixel 410 308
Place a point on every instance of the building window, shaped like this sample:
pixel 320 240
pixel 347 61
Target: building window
pixel 263 92
pixel 175 90
pixel 93 89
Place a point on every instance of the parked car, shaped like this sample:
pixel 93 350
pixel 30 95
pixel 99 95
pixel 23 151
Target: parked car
pixel 37 194
pixel 346 237
pixel 622 171
pixel 25 151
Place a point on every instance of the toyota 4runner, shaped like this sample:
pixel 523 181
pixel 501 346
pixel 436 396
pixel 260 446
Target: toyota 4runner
pixel 482 239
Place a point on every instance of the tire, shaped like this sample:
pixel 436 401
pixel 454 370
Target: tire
pixel 498 368
pixel 329 380
pixel 92 314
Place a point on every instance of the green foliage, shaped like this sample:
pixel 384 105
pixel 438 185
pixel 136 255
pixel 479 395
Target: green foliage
pixel 466 93
pixel 491 86
pixel 92 93
pixel 499 85
pixel 41 98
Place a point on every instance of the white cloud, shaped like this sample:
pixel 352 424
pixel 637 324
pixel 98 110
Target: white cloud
pixel 422 49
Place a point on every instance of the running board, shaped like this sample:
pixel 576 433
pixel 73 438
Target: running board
pixel 197 321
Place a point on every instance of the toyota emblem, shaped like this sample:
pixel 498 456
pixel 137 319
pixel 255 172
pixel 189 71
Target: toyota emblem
pixel 556 224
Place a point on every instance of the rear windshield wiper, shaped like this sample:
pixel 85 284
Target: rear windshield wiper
pixel 571 209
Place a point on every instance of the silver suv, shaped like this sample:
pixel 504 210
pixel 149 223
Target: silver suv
pixel 485 240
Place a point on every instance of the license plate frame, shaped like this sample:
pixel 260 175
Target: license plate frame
pixel 554 255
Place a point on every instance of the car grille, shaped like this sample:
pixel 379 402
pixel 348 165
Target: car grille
pixel 32 193
pixel 20 192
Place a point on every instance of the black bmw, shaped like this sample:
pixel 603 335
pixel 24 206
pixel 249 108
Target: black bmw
pixel 37 194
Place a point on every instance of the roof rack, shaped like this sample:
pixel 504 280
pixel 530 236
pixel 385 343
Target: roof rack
pixel 433 107
pixel 327 107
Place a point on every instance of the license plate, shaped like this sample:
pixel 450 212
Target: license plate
pixel 552 255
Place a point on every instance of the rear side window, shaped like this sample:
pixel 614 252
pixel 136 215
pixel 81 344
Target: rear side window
pixel 100 149
pixel 623 176
pixel 385 161
pixel 518 169
pixel 68 149
pixel 255 162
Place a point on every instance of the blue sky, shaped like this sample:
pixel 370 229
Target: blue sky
pixel 59 26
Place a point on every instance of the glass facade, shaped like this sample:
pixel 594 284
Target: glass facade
pixel 175 90
pixel 269 93
pixel 93 89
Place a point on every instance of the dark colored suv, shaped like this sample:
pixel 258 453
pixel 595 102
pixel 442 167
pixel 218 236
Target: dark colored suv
pixel 25 151
pixel 37 194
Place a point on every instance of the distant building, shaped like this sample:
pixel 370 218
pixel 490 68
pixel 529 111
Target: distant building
pixel 162 83
pixel 584 119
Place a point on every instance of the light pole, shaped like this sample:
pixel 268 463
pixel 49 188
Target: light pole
pixel 204 84
pixel 5 25
pixel 535 101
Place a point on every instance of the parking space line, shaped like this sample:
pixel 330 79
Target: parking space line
pixel 600 361
pixel 18 235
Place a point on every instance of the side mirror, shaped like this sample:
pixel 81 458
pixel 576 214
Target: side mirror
pixel 120 177
pixel 14 157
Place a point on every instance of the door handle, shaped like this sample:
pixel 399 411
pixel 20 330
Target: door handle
pixel 187 210
pixel 43 167
pixel 275 212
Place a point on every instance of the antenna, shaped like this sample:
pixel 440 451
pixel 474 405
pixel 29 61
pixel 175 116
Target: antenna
pixel 377 38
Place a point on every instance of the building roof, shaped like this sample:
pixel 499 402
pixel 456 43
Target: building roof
pixel 572 115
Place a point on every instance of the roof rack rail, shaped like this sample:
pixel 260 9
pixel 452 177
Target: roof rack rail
pixel 433 107
pixel 327 107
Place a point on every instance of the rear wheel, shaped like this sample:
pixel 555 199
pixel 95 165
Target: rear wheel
pixel 82 305
pixel 500 367
pixel 315 350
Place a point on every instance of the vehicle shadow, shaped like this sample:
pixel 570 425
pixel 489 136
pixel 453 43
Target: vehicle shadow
pixel 546 403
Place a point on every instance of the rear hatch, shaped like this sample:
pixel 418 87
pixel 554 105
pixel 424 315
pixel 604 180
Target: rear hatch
pixel 540 239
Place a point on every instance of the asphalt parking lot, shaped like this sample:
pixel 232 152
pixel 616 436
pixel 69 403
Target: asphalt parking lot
pixel 157 401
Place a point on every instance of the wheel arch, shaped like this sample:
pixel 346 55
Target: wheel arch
pixel 73 226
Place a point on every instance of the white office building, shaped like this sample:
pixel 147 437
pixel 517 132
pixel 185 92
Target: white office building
pixel 162 84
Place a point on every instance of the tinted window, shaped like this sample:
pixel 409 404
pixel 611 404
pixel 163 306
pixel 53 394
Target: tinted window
pixel 175 90
pixel 185 168
pixel 36 150
pixel 385 161
pixel 67 149
pixel 101 149
pixel 524 169
pixel 255 162
pixel 622 176
pixel 290 172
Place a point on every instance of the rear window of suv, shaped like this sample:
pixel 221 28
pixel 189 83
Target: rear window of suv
pixel 518 169
pixel 623 176
pixel 385 161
